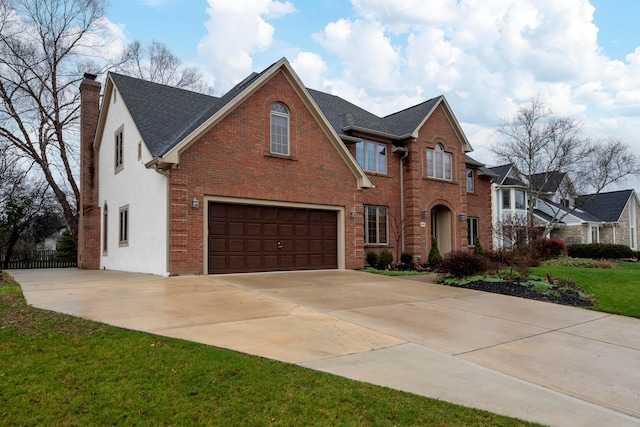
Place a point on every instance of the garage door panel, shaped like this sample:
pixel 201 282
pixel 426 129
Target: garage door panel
pixel 247 238
pixel 270 229
pixel 254 245
pixel 218 245
pixel 237 245
pixel 254 229
pixel 218 228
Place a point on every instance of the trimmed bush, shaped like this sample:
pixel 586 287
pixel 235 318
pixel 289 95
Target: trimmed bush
pixel 372 259
pixel 545 249
pixel 406 258
pixel 599 251
pixel 434 254
pixel 461 264
pixel 477 247
pixel 385 259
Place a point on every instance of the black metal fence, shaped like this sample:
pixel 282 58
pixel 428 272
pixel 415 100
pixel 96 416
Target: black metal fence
pixel 36 259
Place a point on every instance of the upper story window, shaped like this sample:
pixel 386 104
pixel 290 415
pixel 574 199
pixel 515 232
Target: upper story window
pixel 470 182
pixel 438 163
pixel 519 199
pixel 506 199
pixel 119 151
pixel 279 129
pixel 372 156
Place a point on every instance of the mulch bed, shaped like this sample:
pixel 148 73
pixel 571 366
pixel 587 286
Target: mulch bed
pixel 561 293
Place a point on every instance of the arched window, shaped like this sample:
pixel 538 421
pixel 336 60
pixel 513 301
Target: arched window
pixel 279 129
pixel 438 163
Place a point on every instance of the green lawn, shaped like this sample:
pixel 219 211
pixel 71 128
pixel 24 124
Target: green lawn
pixel 61 370
pixel 615 290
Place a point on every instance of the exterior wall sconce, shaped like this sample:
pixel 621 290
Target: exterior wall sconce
pixel 352 214
pixel 195 203
pixel 424 214
pixel 462 217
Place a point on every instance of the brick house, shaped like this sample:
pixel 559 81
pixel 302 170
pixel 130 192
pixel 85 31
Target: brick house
pixel 271 176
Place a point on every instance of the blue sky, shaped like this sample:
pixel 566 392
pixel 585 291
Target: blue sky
pixel 487 57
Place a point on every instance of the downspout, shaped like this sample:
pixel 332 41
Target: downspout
pixel 404 150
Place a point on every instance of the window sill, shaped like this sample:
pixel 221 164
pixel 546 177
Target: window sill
pixel 444 181
pixel 280 156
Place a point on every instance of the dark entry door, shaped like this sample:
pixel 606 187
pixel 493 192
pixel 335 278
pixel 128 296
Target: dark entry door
pixel 249 238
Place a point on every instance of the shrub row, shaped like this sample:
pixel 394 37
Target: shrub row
pixel 600 251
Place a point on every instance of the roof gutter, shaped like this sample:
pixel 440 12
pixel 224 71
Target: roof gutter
pixel 386 135
pixel 160 165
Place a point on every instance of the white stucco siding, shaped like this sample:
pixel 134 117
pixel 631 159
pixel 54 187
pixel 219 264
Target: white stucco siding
pixel 141 190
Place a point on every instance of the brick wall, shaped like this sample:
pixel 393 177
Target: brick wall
pixel 232 160
pixel 89 210
pixel 424 193
pixel 479 206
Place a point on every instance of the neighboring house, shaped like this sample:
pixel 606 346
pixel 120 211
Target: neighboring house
pixel 603 218
pixel 609 217
pixel 271 176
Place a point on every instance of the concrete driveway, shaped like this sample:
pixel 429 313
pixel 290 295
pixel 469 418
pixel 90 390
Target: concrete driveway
pixel 537 361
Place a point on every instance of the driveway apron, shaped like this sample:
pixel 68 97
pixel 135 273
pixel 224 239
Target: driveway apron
pixel 537 361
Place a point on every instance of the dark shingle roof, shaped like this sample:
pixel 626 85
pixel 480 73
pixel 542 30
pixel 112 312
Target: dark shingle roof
pixel 503 175
pixel 341 113
pixel 606 206
pixel 160 112
pixel 166 115
pixel 406 121
pixel 547 182
pixel 578 213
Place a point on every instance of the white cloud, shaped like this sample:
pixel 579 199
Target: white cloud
pixel 310 68
pixel 486 56
pixel 235 31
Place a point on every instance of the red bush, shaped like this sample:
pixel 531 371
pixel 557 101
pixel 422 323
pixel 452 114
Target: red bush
pixel 548 248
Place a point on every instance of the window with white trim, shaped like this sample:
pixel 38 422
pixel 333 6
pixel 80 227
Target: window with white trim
pixel 470 183
pixel 123 226
pixel 506 199
pixel 372 156
pixel 438 163
pixel 595 234
pixel 376 225
pixel 118 151
pixel 472 230
pixel 519 199
pixel 279 129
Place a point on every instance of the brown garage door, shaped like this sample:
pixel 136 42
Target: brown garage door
pixel 247 238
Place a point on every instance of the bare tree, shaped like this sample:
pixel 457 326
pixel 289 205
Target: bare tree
pixel 158 64
pixel 543 147
pixel 43 49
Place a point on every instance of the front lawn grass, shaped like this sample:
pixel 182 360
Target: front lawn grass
pixel 615 290
pixel 61 370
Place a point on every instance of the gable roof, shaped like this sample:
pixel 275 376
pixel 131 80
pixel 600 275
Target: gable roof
pixel 608 206
pixel 170 119
pixel 346 117
pixel 547 182
pixel 161 112
pixel 504 175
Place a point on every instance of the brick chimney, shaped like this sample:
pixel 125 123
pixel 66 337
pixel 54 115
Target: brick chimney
pixel 89 214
